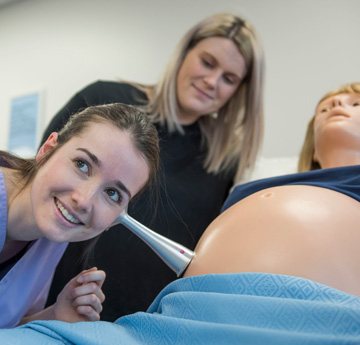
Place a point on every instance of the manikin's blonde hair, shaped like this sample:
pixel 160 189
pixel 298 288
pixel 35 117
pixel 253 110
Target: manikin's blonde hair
pixel 234 137
pixel 306 159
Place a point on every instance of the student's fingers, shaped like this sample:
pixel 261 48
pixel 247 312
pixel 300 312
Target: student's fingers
pixel 89 289
pixel 88 312
pixel 92 275
pixel 88 270
pixel 91 301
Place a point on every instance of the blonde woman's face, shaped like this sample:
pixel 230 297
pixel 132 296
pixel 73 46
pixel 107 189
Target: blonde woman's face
pixel 86 183
pixel 208 77
pixel 337 124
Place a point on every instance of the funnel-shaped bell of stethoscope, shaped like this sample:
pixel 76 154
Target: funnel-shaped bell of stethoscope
pixel 176 256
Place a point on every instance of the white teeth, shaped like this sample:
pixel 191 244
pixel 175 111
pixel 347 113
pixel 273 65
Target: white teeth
pixel 65 213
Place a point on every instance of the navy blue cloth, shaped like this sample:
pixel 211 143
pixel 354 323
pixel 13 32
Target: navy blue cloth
pixel 345 180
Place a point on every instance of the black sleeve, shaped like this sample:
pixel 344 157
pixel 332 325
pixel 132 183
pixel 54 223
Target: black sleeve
pixel 90 95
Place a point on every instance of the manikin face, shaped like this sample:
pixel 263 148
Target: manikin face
pixel 86 183
pixel 337 124
pixel 209 75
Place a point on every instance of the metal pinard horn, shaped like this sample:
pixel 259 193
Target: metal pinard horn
pixel 176 256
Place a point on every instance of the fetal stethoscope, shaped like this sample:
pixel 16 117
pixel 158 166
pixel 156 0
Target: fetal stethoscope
pixel 175 255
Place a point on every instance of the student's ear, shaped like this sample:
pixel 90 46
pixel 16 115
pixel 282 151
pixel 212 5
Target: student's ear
pixel 48 145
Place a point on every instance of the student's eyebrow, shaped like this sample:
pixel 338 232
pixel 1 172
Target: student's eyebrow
pixel 121 186
pixel 95 160
pixel 98 163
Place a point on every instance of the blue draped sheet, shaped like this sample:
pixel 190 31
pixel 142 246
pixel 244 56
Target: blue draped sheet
pixel 243 308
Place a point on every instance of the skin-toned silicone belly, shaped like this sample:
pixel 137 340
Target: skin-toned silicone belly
pixel 303 231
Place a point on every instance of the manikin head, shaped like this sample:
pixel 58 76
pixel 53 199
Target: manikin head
pixel 332 128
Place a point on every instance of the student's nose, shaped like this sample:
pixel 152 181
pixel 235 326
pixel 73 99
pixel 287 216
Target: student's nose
pixel 83 198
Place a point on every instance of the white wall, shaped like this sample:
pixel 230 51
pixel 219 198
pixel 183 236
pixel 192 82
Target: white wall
pixel 58 47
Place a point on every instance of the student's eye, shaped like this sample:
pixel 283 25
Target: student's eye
pixel 114 195
pixel 82 166
pixel 324 110
pixel 356 104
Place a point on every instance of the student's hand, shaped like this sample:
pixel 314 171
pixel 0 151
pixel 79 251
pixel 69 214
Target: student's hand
pixel 82 297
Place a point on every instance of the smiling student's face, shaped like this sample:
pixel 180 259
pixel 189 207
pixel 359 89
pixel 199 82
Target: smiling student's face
pixel 86 183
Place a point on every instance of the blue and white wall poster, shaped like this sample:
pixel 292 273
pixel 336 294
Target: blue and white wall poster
pixel 24 116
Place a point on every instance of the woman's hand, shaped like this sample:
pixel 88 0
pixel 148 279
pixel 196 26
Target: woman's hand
pixel 82 297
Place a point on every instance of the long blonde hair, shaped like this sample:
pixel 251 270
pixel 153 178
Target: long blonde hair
pixel 306 159
pixel 234 138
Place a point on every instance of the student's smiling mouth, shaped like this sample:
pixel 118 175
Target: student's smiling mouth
pixel 66 214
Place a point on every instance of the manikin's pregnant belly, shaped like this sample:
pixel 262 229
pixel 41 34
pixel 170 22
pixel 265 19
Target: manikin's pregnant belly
pixel 302 231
